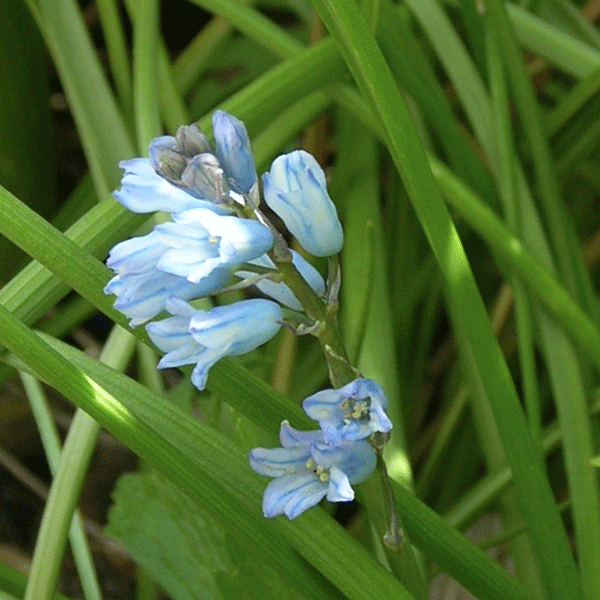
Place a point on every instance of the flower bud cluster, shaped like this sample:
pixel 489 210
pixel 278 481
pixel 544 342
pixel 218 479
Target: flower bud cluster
pixel 312 465
pixel 214 235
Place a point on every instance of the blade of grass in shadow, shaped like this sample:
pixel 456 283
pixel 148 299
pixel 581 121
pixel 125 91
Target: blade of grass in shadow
pixel 539 282
pixel 116 50
pixel 566 249
pixel 524 558
pixel 564 366
pixel 145 58
pixel 253 24
pixel 573 101
pixel 52 447
pixel 103 134
pixel 488 368
pixel 569 54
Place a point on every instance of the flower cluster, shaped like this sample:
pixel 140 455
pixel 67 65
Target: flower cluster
pixel 312 465
pixel 214 237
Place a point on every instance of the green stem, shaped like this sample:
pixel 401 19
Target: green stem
pixel 67 484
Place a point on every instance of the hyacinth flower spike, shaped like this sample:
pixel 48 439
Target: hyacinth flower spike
pixel 352 412
pixel 202 337
pixel 306 470
pixel 295 188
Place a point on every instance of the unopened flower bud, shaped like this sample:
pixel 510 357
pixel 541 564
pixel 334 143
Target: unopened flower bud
pixel 165 160
pixel 204 176
pixel 296 190
pixel 190 141
pixel 233 150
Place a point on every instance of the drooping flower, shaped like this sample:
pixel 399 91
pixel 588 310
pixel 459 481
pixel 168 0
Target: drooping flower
pixel 352 412
pixel 142 288
pixel 280 291
pixel 141 296
pixel 199 248
pixel 202 337
pixel 295 188
pixel 198 241
pixel 306 469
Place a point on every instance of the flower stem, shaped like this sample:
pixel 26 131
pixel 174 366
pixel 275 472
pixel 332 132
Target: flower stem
pixel 377 496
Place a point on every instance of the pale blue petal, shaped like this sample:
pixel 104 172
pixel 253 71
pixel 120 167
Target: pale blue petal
pixel 359 462
pixel 339 489
pixel 144 295
pixel 186 353
pixel 136 254
pixel 199 241
pixel 207 359
pixel 276 462
pixel 242 326
pixel 169 334
pixel 292 494
pixel 325 407
pixel 288 436
pixel 361 388
pixel 143 191
pixel 324 404
pixel 179 308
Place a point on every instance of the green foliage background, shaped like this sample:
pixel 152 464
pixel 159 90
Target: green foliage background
pixel 463 144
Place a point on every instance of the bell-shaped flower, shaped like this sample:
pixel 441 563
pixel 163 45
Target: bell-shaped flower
pixel 352 412
pixel 306 469
pixel 142 289
pixel 295 188
pixel 144 191
pixel 198 241
pixel 202 337
pixel 280 291
pixel 233 150
pixel 141 296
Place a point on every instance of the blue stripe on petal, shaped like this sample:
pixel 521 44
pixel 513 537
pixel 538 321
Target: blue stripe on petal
pixel 276 462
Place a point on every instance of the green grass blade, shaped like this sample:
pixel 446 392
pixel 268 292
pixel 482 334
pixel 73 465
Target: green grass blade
pixel 52 447
pixel 103 134
pixel 226 487
pixel 565 247
pixel 116 49
pixel 145 58
pixel 488 368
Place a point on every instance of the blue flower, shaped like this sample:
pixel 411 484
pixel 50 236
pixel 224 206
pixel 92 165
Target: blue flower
pixel 280 291
pixel 141 296
pixel 306 470
pixel 144 191
pixel 198 241
pixel 142 289
pixel 352 412
pixel 233 150
pixel 202 337
pixel 296 190
pixel 188 258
